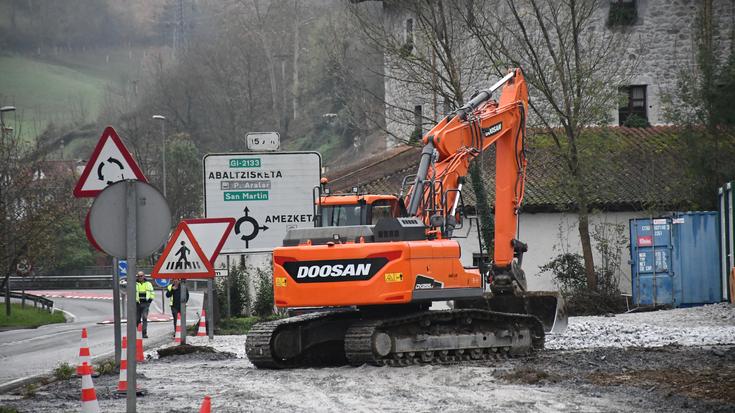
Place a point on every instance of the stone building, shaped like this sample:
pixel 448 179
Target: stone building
pixel 661 38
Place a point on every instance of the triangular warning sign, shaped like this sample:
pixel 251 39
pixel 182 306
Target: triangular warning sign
pixel 183 257
pixel 211 234
pixel 110 162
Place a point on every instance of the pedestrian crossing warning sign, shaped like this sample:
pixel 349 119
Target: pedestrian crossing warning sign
pixel 183 257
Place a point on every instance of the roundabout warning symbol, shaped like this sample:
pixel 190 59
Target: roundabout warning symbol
pixel 254 228
pixel 110 162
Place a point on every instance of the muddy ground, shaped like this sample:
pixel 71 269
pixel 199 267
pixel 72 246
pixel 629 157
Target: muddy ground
pixel 601 375
pixel 666 379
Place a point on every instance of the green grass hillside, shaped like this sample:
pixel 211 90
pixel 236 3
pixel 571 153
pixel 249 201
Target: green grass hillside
pixel 45 92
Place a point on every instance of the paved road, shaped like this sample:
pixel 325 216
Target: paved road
pixel 25 353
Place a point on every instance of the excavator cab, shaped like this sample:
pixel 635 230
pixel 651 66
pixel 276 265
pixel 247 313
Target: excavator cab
pixel 350 209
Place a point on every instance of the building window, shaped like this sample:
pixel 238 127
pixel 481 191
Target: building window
pixel 622 13
pixel 633 108
pixel 418 118
pixel 408 40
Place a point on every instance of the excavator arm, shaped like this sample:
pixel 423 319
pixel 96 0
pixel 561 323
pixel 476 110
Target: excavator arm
pixel 454 142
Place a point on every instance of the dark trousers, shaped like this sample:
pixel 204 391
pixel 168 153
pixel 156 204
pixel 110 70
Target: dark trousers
pixel 143 315
pixel 175 312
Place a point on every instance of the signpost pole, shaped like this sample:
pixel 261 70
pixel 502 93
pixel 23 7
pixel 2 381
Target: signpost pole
pixel 116 308
pixel 227 286
pixel 132 247
pixel 183 311
pixel 210 307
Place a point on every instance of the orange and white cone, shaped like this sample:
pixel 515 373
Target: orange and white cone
pixel 84 355
pixel 206 405
pixel 202 332
pixel 122 385
pixel 177 336
pixel 89 396
pixel 139 344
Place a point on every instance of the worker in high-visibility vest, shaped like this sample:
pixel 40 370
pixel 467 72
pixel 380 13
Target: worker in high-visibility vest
pixel 143 299
pixel 173 291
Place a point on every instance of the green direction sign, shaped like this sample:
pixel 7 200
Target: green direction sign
pixel 245 163
pixel 246 195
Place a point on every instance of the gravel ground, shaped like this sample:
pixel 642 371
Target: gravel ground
pixel 697 326
pixel 676 360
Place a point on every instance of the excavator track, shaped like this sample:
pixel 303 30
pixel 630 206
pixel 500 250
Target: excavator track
pixel 262 342
pixel 428 337
pixel 442 337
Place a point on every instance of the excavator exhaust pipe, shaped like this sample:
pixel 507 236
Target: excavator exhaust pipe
pixel 548 306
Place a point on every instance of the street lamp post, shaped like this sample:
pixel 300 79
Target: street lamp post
pixel 163 148
pixel 6 231
pixel 2 120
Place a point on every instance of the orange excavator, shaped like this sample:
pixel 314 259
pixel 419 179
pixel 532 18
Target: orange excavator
pixel 363 280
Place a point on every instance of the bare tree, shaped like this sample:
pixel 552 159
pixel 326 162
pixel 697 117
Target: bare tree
pixel 35 201
pixel 430 60
pixel 574 65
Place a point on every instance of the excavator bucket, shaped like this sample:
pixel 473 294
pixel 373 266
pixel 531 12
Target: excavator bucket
pixel 548 306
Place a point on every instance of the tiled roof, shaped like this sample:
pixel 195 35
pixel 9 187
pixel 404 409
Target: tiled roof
pixel 626 169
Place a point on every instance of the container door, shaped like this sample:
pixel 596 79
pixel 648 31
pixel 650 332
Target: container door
pixel 696 257
pixel 651 262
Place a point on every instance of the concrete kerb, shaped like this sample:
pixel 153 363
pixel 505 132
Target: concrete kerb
pixel 47 378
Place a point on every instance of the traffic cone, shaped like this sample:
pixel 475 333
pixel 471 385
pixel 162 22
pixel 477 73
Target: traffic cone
pixel 206 405
pixel 139 344
pixel 89 396
pixel 84 355
pixel 202 324
pixel 177 336
pixel 122 385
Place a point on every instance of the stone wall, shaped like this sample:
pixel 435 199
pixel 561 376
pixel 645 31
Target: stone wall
pixel 662 42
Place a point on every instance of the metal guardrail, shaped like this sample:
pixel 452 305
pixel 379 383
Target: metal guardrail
pixel 81 282
pixel 76 282
pixel 37 299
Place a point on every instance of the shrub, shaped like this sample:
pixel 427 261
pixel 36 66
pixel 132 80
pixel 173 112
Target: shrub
pixel 263 305
pixel 64 371
pixel 240 301
pixel 29 390
pixel 106 367
pixel 635 121
pixel 568 271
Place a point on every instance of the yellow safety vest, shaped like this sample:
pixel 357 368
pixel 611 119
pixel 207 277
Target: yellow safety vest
pixel 145 291
pixel 170 289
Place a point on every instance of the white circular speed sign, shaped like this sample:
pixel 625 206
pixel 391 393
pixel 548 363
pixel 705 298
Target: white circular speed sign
pixel 108 218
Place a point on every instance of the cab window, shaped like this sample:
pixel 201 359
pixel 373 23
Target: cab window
pixel 381 209
pixel 341 215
